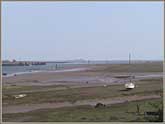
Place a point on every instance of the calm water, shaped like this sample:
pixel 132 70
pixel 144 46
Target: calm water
pixel 51 66
pixel 47 67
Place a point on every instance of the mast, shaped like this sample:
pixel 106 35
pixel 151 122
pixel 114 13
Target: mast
pixel 129 85
pixel 130 66
pixel 129 58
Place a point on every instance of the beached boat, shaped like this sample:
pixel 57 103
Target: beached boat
pixel 20 96
pixel 130 85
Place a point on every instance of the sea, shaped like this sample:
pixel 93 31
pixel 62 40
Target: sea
pixel 37 68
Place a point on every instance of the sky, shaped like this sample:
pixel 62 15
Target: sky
pixel 49 31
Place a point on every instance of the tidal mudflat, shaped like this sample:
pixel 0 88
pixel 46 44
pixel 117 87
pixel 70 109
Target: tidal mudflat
pixel 72 94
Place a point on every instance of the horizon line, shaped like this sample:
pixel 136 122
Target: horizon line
pixel 88 60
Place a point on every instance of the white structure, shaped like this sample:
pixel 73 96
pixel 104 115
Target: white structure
pixel 20 96
pixel 130 85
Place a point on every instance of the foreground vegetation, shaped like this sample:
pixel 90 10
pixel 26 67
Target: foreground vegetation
pixel 119 112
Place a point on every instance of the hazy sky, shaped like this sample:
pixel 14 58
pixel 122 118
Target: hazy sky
pixel 82 30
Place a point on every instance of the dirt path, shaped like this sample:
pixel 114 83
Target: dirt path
pixel 109 101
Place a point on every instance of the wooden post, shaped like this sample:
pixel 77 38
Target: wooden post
pixel 138 108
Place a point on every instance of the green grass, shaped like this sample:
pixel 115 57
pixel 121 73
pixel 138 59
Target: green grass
pixel 138 67
pixel 145 87
pixel 14 89
pixel 125 112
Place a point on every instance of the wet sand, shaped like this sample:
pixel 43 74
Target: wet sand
pixel 76 76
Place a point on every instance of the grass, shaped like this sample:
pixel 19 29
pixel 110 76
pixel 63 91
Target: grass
pixel 145 87
pixel 119 112
pixel 134 67
pixel 14 89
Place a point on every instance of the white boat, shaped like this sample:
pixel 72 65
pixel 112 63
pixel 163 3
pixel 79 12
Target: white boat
pixel 129 85
pixel 20 96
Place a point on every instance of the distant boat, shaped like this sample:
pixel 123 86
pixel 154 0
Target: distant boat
pixel 4 74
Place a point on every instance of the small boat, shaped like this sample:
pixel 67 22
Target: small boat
pixel 4 74
pixel 20 96
pixel 130 85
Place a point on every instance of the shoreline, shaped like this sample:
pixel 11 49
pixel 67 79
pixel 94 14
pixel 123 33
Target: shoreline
pixel 40 71
pixel 74 77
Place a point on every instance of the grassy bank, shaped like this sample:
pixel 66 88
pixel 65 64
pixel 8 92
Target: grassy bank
pixel 119 112
pixel 133 68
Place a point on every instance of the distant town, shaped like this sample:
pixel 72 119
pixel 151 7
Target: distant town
pixel 29 63
pixel 21 63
